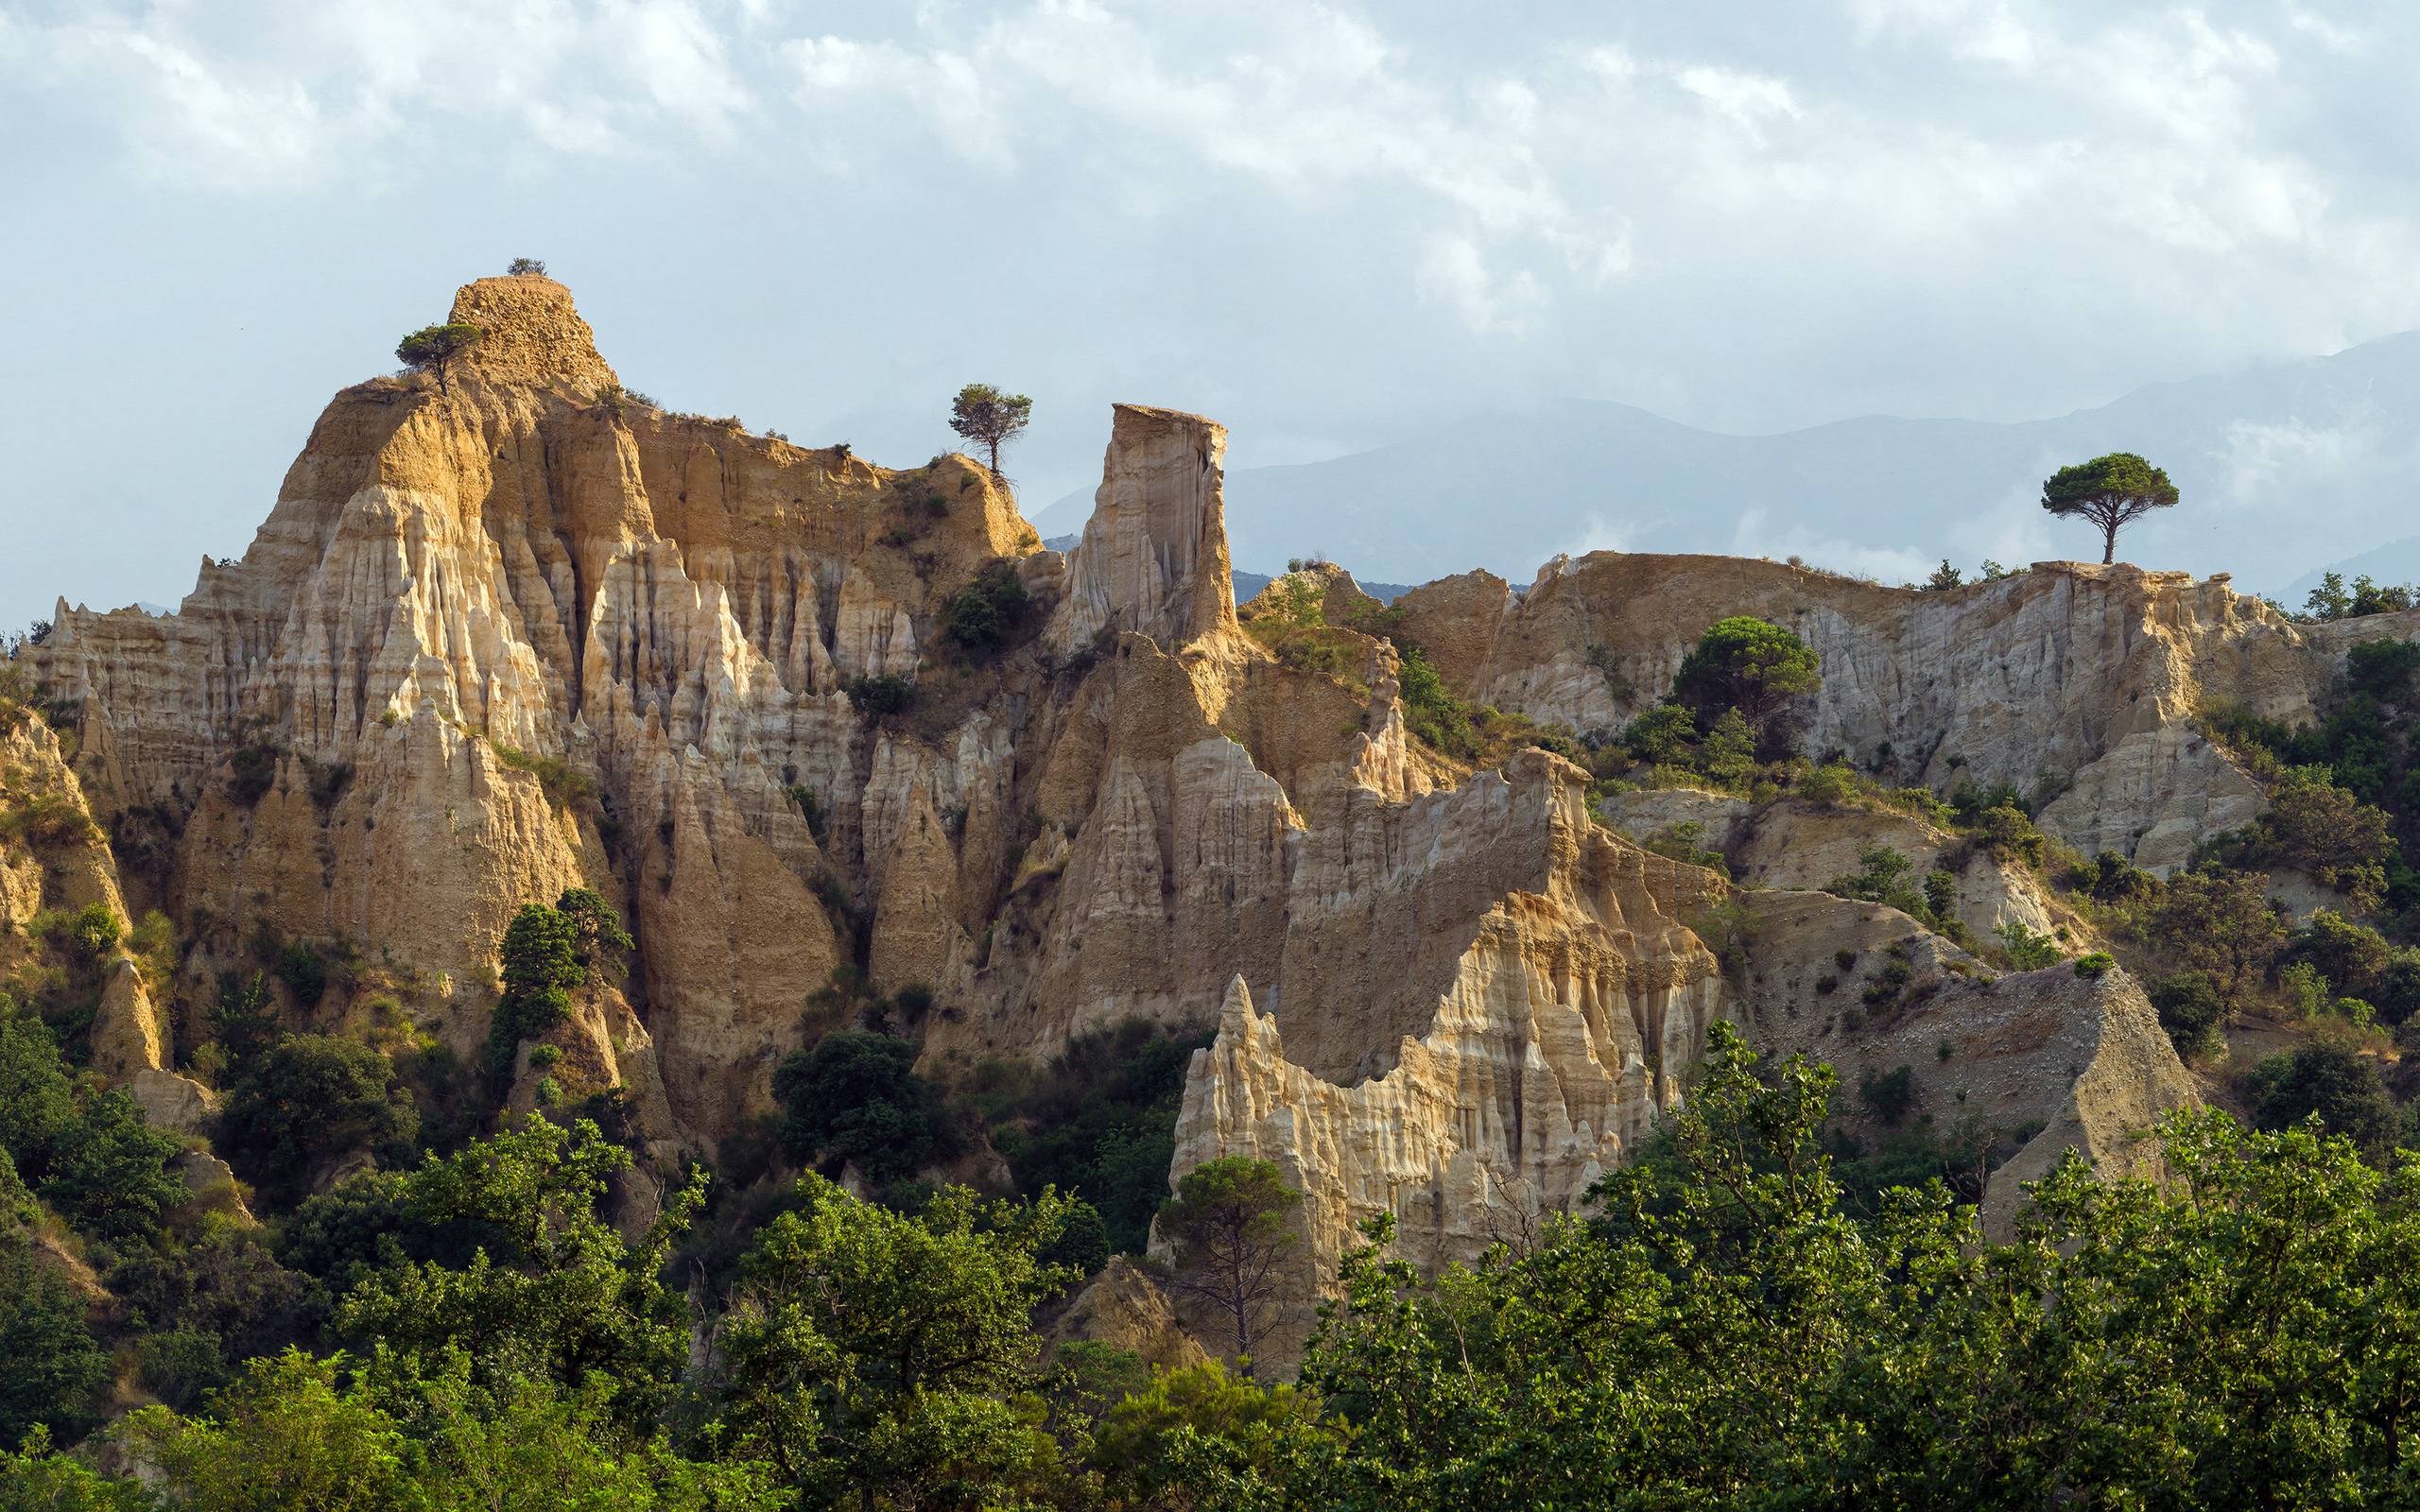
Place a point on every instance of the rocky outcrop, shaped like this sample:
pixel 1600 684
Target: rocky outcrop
pixel 1153 556
pixel 53 860
pixel 1575 1007
pixel 1124 1309
pixel 2062 1061
pixel 519 631
pixel 1795 844
pixel 2071 680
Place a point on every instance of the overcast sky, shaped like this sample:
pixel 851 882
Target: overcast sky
pixel 1323 226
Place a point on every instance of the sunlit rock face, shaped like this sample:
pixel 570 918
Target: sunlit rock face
pixel 515 630
pixel 2074 681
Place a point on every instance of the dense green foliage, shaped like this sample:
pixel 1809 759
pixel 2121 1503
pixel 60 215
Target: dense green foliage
pixel 1736 1320
pixel 83 1149
pixel 856 1099
pixel 1746 665
pixel 886 1358
pixel 989 613
pixel 2111 491
pixel 1430 711
pixel 309 1100
pixel 1722 1334
pixel 875 696
pixel 1098 1123
pixel 548 954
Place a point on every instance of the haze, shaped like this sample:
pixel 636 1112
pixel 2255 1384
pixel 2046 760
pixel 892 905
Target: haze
pixel 1331 228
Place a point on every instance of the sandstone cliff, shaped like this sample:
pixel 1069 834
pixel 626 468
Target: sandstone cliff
pixel 521 630
pixel 2070 678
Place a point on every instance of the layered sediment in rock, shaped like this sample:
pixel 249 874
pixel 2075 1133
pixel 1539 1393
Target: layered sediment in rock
pixel 520 631
pixel 1573 1001
pixel 56 861
pixel 2074 679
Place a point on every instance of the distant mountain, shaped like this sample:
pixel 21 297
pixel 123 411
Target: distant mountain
pixel 1248 585
pixel 2284 469
pixel 2397 561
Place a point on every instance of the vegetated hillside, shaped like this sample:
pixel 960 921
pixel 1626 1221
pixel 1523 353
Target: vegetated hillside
pixel 2283 469
pixel 479 920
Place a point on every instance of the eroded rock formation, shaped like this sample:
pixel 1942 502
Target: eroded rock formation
pixel 520 630
pixel 2070 678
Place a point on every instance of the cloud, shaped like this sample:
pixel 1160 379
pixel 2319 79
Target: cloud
pixel 1454 272
pixel 283 96
pixel 1756 535
pixel 1340 219
pixel 2262 459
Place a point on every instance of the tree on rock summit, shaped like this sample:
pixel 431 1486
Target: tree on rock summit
pixel 988 417
pixel 2111 491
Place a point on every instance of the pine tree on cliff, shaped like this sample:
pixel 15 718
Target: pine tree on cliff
pixel 1231 1222
pixel 988 417
pixel 2111 491
pixel 432 347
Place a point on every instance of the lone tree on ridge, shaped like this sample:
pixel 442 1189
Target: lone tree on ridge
pixel 988 417
pixel 432 347
pixel 2111 491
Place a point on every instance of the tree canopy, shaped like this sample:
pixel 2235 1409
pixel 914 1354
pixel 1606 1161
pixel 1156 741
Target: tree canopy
pixel 1745 664
pixel 432 348
pixel 990 419
pixel 2111 491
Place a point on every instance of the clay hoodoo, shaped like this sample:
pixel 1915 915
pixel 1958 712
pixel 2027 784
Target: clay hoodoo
pixel 524 632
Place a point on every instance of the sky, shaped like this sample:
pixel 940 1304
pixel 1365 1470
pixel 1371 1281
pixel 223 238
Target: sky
pixel 1329 226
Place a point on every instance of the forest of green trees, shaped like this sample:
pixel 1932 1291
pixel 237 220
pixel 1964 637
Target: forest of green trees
pixel 1717 1328
pixel 1755 1312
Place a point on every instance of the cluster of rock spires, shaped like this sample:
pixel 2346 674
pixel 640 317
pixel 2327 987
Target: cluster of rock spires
pixel 524 632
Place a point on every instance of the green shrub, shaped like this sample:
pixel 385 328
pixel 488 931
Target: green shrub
pixel 2096 964
pixel 1679 841
pixel 1832 782
pixel 305 973
pixel 541 963
pixel 2190 1009
pixel 1432 714
pixel 1883 879
pixel 308 1100
pixel 1889 1096
pixel 990 612
pixel 93 933
pixel 879 697
pixel 1099 1121
pixel 2338 1087
pixel 566 789
pixel 243 1019
pixel 809 808
pixel 1665 733
pixel 856 1099
pixel 2027 951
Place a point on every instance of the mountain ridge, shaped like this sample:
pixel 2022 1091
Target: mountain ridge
pixel 2284 467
